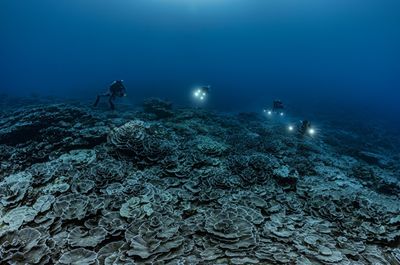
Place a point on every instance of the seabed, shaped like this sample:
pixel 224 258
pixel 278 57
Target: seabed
pixel 191 186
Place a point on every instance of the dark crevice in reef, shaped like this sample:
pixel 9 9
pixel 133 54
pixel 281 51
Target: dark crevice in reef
pixel 189 186
pixel 21 135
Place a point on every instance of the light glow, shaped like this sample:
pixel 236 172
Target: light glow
pixel 311 131
pixel 290 128
pixel 199 94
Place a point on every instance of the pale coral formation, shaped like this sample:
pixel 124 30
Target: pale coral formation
pixel 189 186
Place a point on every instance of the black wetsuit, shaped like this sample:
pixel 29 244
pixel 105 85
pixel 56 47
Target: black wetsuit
pixel 205 89
pixel 117 89
pixel 304 127
pixel 277 105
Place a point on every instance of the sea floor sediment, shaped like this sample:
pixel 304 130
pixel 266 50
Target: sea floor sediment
pixel 191 186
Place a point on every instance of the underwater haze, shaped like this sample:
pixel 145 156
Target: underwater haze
pixel 320 55
pixel 199 132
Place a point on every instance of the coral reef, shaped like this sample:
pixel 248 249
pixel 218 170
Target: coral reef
pixel 189 186
pixel 159 108
pixel 142 142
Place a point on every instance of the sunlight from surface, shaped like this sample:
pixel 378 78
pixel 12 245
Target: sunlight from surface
pixel 200 5
pixel 197 3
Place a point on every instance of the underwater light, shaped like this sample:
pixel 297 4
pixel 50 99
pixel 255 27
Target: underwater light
pixel 197 93
pixel 281 113
pixel 290 128
pixel 269 112
pixel 311 131
pixel 200 94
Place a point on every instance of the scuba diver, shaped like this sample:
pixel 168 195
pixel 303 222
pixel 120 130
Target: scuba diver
pixel 202 92
pixel 305 127
pixel 116 89
pixel 205 89
pixel 277 105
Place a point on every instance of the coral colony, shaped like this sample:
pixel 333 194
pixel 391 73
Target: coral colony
pixel 189 186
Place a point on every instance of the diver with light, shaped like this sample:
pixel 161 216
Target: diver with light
pixel 201 93
pixel 306 128
pixel 277 107
pixel 303 129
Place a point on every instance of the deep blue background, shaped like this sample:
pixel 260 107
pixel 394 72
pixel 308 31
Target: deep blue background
pixel 321 55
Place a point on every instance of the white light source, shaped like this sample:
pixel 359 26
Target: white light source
pixel 200 94
pixel 290 128
pixel 269 112
pixel 281 113
pixel 311 131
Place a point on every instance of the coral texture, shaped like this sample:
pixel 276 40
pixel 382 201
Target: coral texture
pixel 189 186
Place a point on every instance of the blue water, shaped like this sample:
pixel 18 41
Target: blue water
pixel 218 181
pixel 315 55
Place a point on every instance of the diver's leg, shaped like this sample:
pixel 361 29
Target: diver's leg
pixel 98 98
pixel 110 100
pixel 97 101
